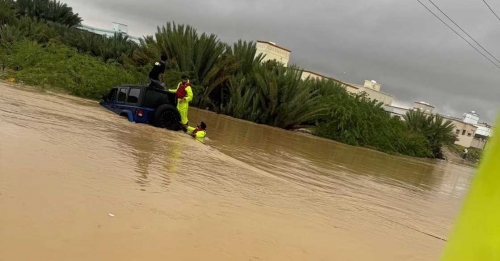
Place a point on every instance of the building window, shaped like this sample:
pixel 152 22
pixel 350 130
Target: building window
pixel 463 132
pixel 457 132
pixel 469 134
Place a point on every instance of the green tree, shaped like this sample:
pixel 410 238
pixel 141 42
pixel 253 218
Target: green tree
pixel 49 10
pixel 201 56
pixel 58 66
pixel 8 12
pixel 435 129
pixel 244 59
pixel 357 120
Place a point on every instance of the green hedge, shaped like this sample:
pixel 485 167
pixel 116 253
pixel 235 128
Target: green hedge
pixel 58 66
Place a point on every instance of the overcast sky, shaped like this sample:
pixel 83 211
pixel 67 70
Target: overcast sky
pixel 395 42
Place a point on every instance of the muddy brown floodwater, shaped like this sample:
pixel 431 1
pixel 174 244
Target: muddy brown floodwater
pixel 80 183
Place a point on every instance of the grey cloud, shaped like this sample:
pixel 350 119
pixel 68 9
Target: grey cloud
pixel 397 43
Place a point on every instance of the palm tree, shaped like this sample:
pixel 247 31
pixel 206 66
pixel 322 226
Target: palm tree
pixel 85 42
pixel 240 61
pixel 285 98
pixel 241 102
pixel 435 128
pixel 8 12
pixel 26 28
pixel 246 55
pixel 202 56
pixel 49 10
pixel 117 47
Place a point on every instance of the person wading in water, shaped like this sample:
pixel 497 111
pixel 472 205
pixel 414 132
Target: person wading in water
pixel 184 95
pixel 199 132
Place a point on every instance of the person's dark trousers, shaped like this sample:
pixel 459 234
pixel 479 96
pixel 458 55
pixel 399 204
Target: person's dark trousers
pixel 156 84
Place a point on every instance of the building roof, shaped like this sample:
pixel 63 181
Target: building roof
pixel 458 120
pixel 363 87
pixel 426 104
pixel 331 78
pixel 398 107
pixel 451 118
pixel 119 23
pixel 315 73
pixel 82 26
pixel 88 27
pixel 275 45
pixel 379 92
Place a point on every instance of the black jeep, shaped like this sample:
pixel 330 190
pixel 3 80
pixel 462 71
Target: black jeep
pixel 144 104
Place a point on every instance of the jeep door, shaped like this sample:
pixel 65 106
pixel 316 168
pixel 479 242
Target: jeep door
pixel 120 100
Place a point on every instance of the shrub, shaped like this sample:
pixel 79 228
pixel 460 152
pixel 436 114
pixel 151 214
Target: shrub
pixel 58 66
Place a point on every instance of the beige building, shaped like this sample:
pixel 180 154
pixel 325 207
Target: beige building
pixel 351 88
pixel 479 143
pixel 423 106
pixel 465 132
pixel 401 111
pixel 312 76
pixel 483 132
pixel 379 96
pixel 372 89
pixel 396 111
pixel 373 85
pixel 271 51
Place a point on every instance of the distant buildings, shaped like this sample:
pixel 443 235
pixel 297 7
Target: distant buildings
pixel 273 52
pixel 115 28
pixel 464 131
pixel 372 90
pixel 469 132
pixel 483 131
pixel 423 106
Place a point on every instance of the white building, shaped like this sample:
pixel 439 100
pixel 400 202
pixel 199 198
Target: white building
pixel 115 28
pixel 271 51
pixel 483 131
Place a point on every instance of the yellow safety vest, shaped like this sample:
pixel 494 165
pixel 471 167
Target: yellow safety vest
pixel 199 134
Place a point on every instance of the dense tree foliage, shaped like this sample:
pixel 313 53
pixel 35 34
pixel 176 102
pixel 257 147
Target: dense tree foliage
pixel 49 10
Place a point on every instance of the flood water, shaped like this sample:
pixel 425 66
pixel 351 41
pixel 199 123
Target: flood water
pixel 80 183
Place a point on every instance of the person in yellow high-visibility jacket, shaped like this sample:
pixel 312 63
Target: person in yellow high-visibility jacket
pixel 199 132
pixel 184 95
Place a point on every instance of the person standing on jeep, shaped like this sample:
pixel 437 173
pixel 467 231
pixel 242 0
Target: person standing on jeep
pixel 156 74
pixel 184 95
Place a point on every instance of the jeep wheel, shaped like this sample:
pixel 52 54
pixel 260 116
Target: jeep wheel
pixel 167 117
